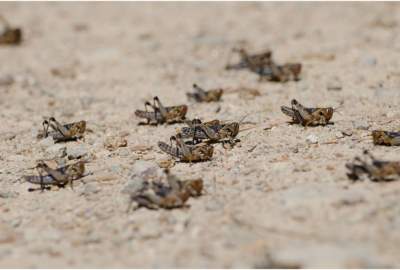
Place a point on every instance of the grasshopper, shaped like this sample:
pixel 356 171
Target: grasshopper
pixel 280 73
pixel 185 152
pixel 308 116
pixel 266 68
pixel 62 133
pixel 389 138
pixel 252 62
pixel 214 131
pixel 10 35
pixel 57 177
pixel 205 96
pixel 376 170
pixel 174 195
pixel 161 114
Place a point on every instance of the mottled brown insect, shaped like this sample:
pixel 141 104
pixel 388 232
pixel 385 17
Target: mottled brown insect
pixel 251 61
pixel 200 95
pixel 266 68
pixel 56 177
pixel 388 138
pixel 308 116
pixel 161 114
pixel 62 133
pixel 280 73
pixel 185 152
pixel 10 35
pixel 215 131
pixel 375 170
pixel 155 195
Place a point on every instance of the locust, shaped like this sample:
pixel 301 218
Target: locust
pixel 10 35
pixel 214 131
pixel 381 137
pixel 56 177
pixel 185 152
pixel 263 65
pixel 161 114
pixel 155 195
pixel 252 62
pixel 280 73
pixel 375 170
pixel 308 116
pixel 201 95
pixel 61 133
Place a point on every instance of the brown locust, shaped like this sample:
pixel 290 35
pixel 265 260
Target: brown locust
pixel 201 95
pixel 251 61
pixel 155 195
pixel 10 35
pixel 308 116
pixel 185 152
pixel 214 131
pixel 280 73
pixel 263 65
pixel 388 138
pixel 63 132
pixel 56 177
pixel 161 114
pixel 375 170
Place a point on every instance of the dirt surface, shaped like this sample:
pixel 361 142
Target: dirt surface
pixel 276 199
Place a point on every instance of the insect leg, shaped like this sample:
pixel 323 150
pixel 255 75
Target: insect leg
pixel 45 125
pixel 161 108
pixel 200 91
pixel 183 147
pixel 58 127
pixel 210 133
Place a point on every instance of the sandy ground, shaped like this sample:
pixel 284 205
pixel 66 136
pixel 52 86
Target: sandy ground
pixel 284 203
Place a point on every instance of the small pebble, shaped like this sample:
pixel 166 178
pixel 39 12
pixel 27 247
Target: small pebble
pixel 56 151
pixel 339 134
pixel 77 151
pixel 312 139
pixel 113 142
pixel 347 132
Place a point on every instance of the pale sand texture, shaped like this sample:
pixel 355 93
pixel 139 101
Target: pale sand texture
pixel 285 202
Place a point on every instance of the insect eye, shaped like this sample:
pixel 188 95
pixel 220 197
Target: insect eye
pixel 321 113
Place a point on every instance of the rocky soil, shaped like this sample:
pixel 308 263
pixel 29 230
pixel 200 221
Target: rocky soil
pixel 280 198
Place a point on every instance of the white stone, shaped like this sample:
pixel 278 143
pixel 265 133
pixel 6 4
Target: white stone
pixel 312 139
